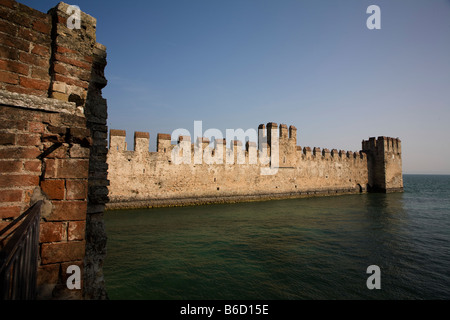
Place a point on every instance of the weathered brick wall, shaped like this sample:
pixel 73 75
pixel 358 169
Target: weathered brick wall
pixel 46 151
pixel 25 49
pixel 53 140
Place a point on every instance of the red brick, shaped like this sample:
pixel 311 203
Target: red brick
pixel 9 77
pixel 76 189
pixel 7 27
pixel 59 68
pixel 28 140
pixel 68 211
pixel 33 13
pixel 9 212
pixel 40 50
pixel 76 230
pixel 74 62
pixel 34 83
pixel 50 168
pixel 14 42
pixel 34 92
pixel 15 16
pixel 77 151
pixel 33 60
pixel 62 251
pixel 70 81
pixel 89 59
pixel 67 168
pixel 14 66
pixel 81 74
pixel 40 73
pixel 80 133
pixel 27 194
pixel 10 195
pixel 13 124
pixel 34 36
pixel 36 127
pixel 7 138
pixel 7 3
pixel 59 153
pixel 53 231
pixel 19 153
pixel 54 189
pixel 9 53
pixel 18 180
pixel 20 19
pixel 74 169
pixel 61 49
pixel 48 274
pixel 42 27
pixel 33 166
pixel 10 166
pixel 62 20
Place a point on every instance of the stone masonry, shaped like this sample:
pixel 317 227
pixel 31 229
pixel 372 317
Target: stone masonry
pixel 141 178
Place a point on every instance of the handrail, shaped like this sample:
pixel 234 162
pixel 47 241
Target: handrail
pixel 19 257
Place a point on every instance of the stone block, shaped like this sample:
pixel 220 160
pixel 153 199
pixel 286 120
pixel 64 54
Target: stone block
pixel 54 189
pixel 62 252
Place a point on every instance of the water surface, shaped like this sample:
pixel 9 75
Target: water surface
pixel 313 248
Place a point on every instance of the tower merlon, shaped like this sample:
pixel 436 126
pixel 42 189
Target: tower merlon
pixel 140 134
pixel 236 143
pixel 117 140
pixel 220 142
pixel 262 130
pixel 284 133
pixel 317 152
pixel 141 141
pixel 292 132
pixel 307 150
pixel 334 153
pixel 184 138
pixel 115 132
pixel 250 144
pixel 163 142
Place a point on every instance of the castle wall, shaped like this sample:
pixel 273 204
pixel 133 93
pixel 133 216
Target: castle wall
pixel 143 179
pixel 384 164
pixel 53 141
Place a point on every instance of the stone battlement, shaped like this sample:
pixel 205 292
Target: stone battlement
pixel 164 145
pixel 224 171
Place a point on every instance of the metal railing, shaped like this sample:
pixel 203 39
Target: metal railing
pixel 19 256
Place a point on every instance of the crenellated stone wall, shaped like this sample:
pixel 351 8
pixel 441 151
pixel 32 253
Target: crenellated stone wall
pixel 213 173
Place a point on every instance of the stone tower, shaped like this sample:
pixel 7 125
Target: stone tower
pixel 384 163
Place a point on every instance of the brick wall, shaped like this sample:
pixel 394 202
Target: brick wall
pixel 53 141
pixel 25 49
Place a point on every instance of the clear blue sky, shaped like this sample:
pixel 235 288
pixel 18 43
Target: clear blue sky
pixel 311 63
